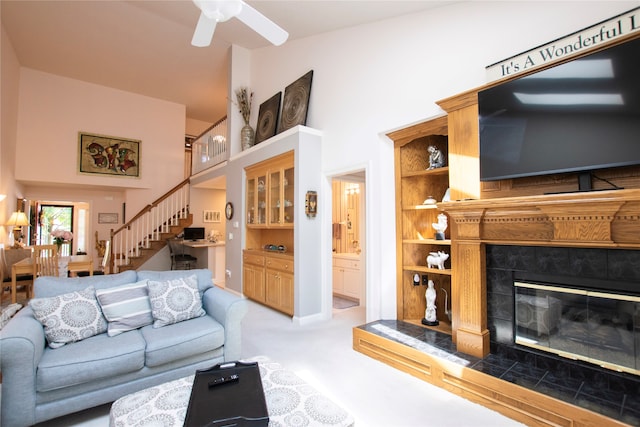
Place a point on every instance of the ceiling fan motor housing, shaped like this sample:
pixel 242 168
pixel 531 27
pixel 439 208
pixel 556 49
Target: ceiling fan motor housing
pixel 219 10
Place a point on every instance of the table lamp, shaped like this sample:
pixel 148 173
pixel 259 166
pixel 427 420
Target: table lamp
pixel 17 221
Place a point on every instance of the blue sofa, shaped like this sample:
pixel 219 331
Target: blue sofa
pixel 41 383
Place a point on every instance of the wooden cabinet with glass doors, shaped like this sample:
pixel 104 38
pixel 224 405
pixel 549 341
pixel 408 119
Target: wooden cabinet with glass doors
pixel 269 254
pixel 270 193
pixel 257 198
pixel 281 195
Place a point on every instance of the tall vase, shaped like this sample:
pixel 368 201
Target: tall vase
pixel 247 136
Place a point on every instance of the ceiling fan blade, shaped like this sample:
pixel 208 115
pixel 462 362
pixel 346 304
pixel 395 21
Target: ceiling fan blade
pixel 204 31
pixel 262 25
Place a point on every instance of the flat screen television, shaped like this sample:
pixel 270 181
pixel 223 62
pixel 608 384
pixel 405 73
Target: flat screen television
pixel 194 233
pixel 578 116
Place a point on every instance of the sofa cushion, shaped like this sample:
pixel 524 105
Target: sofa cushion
pixel 204 275
pixel 95 358
pixel 180 340
pixel 175 300
pixel 126 307
pixel 69 317
pixel 50 286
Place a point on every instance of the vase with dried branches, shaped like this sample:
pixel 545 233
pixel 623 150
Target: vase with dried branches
pixel 243 101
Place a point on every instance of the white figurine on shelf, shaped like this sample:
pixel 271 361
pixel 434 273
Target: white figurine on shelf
pixel 440 226
pixel 437 259
pixel 430 317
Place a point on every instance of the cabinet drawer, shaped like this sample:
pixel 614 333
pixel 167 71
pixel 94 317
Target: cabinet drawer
pixel 280 264
pixel 346 263
pixel 253 259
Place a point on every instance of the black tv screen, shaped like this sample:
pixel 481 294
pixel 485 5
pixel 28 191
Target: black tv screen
pixel 194 233
pixel 578 116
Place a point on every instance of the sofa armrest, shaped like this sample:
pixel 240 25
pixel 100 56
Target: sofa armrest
pixel 229 310
pixel 22 342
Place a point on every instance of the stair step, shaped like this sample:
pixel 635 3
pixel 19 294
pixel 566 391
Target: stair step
pixel 145 253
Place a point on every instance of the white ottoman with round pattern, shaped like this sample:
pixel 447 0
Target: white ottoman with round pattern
pixel 290 402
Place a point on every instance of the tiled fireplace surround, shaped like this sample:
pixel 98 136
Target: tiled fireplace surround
pixel 552 265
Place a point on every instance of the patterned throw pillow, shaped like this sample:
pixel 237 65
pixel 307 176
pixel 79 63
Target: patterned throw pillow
pixel 126 307
pixel 69 317
pixel 175 300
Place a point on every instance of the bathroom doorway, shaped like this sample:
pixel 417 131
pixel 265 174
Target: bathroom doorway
pixel 348 240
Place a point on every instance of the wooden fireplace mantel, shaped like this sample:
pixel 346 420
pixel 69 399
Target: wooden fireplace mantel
pixel 609 219
pixel 594 219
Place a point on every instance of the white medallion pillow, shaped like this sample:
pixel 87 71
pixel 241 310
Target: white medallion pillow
pixel 69 317
pixel 175 300
pixel 126 307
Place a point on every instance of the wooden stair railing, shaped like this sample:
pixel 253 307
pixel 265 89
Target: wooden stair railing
pixel 163 218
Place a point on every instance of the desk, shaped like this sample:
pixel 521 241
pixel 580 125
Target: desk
pixel 210 255
pixel 74 264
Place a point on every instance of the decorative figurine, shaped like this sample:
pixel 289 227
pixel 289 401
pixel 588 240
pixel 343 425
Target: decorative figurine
pixel 430 317
pixel 436 158
pixel 416 279
pixel 440 226
pixel 437 259
pixel 429 201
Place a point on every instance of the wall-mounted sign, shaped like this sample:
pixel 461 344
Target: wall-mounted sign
pixel 572 45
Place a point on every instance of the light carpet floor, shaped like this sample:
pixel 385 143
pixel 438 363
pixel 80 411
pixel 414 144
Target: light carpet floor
pixel 376 395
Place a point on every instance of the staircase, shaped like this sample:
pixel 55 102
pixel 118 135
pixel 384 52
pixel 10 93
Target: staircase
pixel 145 234
pixel 145 253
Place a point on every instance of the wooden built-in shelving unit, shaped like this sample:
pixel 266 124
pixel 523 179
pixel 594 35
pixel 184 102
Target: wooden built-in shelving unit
pixel 415 182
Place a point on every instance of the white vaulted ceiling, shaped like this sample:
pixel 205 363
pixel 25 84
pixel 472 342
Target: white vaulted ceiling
pixel 144 46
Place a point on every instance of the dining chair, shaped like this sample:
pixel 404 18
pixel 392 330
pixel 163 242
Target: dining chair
pixel 7 259
pixel 104 264
pixel 46 260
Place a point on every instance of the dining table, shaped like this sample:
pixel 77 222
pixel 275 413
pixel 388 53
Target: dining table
pixel 71 264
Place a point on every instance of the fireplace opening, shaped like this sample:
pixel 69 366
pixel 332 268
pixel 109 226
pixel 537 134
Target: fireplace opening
pixel 597 327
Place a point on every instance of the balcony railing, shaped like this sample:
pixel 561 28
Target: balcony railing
pixel 210 148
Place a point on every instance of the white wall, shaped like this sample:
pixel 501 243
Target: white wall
pixel 374 78
pixel 9 78
pixel 195 127
pixel 212 200
pixel 53 109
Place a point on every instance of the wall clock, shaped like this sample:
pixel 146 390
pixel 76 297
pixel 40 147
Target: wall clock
pixel 228 210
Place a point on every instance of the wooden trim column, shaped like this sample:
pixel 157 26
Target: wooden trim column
pixel 468 283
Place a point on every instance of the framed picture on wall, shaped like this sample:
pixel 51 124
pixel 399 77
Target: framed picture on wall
pixel 211 216
pixel 108 155
pixel 107 218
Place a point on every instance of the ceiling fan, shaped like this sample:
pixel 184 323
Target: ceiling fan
pixel 214 11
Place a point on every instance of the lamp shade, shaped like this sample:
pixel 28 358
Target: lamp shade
pixel 18 219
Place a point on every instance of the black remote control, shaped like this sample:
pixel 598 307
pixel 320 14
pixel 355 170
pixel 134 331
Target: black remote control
pixel 224 380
